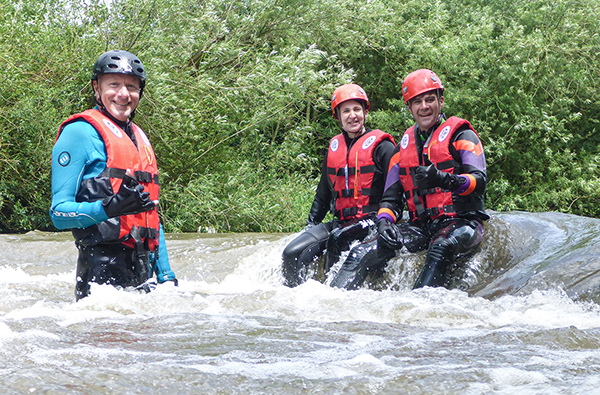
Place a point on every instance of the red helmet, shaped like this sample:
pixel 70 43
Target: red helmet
pixel 348 92
pixel 420 81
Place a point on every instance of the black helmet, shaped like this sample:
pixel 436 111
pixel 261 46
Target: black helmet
pixel 119 62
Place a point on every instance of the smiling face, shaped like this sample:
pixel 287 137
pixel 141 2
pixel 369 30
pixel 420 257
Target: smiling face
pixel 426 109
pixel 120 94
pixel 352 116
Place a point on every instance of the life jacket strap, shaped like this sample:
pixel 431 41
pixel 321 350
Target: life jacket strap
pixel 139 175
pixel 431 212
pixel 352 211
pixel 347 193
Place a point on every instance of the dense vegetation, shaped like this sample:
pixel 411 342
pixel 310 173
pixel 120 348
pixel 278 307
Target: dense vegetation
pixel 237 103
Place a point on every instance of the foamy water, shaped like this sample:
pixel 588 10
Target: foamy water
pixel 232 328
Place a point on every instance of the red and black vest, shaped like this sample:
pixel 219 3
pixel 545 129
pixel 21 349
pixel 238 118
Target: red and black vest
pixel 436 202
pixel 122 154
pixel 351 174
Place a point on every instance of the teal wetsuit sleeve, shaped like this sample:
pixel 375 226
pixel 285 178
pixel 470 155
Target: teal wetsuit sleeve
pixel 163 268
pixel 79 153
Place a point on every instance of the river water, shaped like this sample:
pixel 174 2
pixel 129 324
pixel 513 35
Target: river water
pixel 526 320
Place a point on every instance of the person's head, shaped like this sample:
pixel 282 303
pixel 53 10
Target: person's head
pixel 350 105
pixel 118 80
pixel 422 92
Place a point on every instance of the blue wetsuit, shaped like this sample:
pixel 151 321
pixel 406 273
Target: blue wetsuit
pixel 79 154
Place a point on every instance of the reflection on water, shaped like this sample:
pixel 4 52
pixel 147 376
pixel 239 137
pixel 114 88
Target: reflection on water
pixel 528 322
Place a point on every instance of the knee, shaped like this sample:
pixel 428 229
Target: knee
pixel 291 252
pixel 295 248
pixel 444 247
pixel 362 256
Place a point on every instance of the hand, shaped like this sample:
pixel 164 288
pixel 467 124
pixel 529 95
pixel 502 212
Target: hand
pixel 174 281
pixel 148 286
pixel 427 177
pixel 389 237
pixel 130 199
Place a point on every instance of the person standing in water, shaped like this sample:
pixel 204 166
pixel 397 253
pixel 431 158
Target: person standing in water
pixel 439 171
pixel 352 180
pixel 105 185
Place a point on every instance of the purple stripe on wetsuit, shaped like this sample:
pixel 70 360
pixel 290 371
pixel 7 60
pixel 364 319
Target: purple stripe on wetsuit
pixel 386 215
pixel 392 177
pixel 471 159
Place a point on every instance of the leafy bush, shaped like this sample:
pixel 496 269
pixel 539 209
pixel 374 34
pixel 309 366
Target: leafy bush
pixel 237 102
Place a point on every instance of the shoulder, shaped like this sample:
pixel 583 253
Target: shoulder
pixel 80 129
pixel 335 143
pixel 337 136
pixel 386 145
pixel 378 137
pixel 80 134
pixel 466 133
pixel 379 133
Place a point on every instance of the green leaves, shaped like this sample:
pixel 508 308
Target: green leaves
pixel 238 97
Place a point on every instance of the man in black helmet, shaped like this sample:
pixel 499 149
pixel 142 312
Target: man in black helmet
pixel 105 184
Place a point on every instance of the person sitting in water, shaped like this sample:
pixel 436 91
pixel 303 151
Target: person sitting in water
pixel 439 170
pixel 352 180
pixel 105 183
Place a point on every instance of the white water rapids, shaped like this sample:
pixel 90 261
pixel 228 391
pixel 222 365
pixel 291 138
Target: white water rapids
pixel 530 324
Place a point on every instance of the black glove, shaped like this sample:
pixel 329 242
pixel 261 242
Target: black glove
pixel 427 177
pixel 174 281
pixel 130 199
pixel 389 237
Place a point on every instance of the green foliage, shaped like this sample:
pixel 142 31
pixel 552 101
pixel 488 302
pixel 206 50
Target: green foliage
pixel 39 85
pixel 237 101
pixel 239 201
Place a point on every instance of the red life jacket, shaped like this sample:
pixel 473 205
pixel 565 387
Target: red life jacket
pixel 351 184
pixel 436 202
pixel 122 154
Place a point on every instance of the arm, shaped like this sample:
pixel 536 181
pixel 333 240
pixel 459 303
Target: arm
pixel 382 156
pixel 79 153
pixel 163 268
pixel 467 149
pixel 321 203
pixel 391 204
pixel 390 208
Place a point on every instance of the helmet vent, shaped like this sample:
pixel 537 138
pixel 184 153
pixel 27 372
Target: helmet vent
pixel 119 62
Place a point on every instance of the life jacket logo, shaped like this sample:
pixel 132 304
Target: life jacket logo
pixel 404 141
pixel 113 128
pixel 64 158
pixel 444 133
pixel 369 142
pixel 335 144
pixel 144 137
